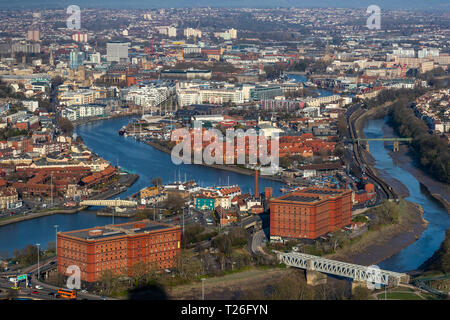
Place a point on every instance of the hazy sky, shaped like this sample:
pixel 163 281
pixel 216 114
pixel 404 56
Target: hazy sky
pixel 397 4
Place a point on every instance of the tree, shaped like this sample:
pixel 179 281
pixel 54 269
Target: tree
pixel 222 243
pixel 28 255
pixel 188 265
pixel 174 202
pixel 139 272
pixel 51 247
pixel 338 240
pixel 65 125
pixel 360 293
pixel 238 237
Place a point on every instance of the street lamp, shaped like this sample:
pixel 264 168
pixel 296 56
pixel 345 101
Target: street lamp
pixel 203 288
pixel 38 253
pixel 56 239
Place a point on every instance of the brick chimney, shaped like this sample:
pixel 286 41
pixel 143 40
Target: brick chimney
pixel 256 184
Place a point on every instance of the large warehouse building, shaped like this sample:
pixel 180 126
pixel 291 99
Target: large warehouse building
pixel 118 247
pixel 309 213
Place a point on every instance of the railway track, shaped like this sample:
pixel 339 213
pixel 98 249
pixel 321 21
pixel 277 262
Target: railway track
pixel 387 190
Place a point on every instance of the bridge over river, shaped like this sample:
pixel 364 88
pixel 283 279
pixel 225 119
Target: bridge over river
pixel 371 274
pixel 109 203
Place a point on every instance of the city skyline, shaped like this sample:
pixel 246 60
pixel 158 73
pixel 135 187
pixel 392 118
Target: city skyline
pixel 151 4
pixel 166 153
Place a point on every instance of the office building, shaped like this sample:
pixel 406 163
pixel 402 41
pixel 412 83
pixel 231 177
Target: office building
pixel 75 59
pixel 117 52
pixel 118 248
pixel 34 35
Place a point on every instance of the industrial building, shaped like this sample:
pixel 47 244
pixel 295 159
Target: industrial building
pixel 309 213
pixel 118 247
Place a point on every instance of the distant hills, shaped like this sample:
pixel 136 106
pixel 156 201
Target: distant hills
pixel 134 4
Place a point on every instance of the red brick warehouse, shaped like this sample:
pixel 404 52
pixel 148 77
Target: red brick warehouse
pixel 118 247
pixel 310 213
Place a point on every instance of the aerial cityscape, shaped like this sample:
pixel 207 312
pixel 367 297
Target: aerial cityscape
pixel 224 152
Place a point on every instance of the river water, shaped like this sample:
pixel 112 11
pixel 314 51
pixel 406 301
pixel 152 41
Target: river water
pixel 102 138
pixel 439 220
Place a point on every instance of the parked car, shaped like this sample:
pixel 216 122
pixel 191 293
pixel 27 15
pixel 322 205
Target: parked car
pixel 38 287
pixel 34 292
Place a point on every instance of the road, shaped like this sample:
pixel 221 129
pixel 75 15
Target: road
pixel 47 292
pixel 257 241
pixel 352 114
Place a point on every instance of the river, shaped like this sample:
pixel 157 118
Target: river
pixel 411 257
pixel 102 138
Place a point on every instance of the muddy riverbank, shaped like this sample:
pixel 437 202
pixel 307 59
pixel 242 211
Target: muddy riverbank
pixel 383 244
pixel 436 189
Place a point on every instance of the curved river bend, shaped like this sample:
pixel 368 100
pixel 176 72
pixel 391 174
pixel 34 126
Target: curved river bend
pixel 438 219
pixel 102 137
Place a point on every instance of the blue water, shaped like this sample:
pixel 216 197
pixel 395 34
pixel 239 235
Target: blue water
pixel 439 220
pixel 102 138
pixel 300 78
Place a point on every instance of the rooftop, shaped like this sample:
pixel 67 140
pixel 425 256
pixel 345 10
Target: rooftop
pixel 312 194
pixel 129 228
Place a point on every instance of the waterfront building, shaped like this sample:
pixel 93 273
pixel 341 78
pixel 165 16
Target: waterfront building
pixel 309 213
pixel 118 248
pixel 75 112
pixel 9 198
pixel 80 96
pixel 205 200
pixel 263 93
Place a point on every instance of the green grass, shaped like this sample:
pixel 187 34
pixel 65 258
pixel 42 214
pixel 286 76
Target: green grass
pixel 399 296
pixel 429 296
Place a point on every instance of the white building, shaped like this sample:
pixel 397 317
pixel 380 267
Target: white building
pixel 428 52
pixel 168 31
pixel 76 112
pixel 117 51
pixel 190 32
pixel 31 106
pixel 148 96
pixel 404 53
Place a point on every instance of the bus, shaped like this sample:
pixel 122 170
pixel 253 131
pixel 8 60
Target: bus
pixel 67 294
